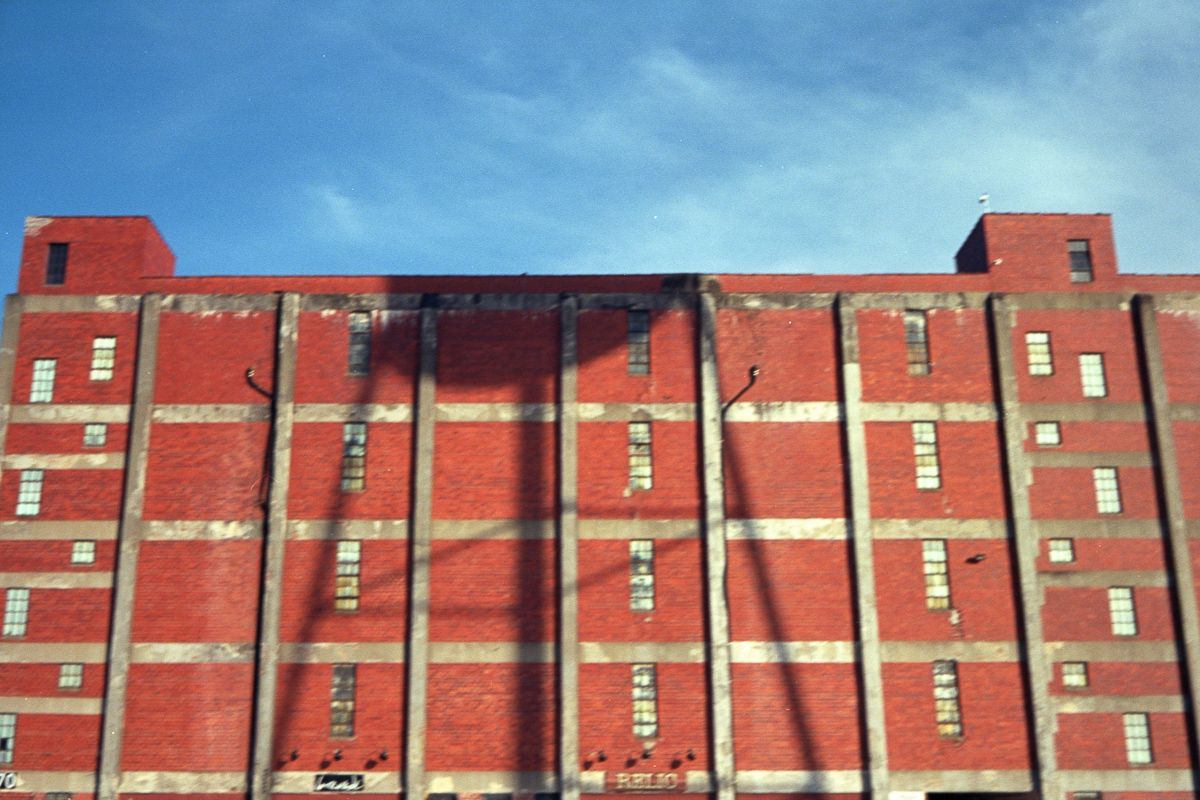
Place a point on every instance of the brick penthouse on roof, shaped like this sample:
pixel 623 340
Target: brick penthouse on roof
pixel 437 536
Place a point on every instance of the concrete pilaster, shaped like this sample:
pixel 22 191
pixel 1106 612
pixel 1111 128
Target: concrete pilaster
pixel 129 541
pixel 422 534
pixel 275 535
pixel 13 307
pixel 568 552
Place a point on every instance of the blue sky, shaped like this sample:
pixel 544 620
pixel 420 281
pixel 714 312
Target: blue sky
pixel 358 137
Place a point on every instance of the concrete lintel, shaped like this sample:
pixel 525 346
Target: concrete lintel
pixel 56 653
pixel 786 529
pixel 953 780
pixel 58 530
pixel 347 529
pixel 793 653
pixel 375 781
pixel 1083 411
pixel 780 301
pixel 108 460
pixel 915 300
pixel 1177 301
pixel 1053 459
pixel 81 303
pixel 1118 704
pixel 200 530
pixel 639 300
pixel 639 529
pixel 492 782
pixel 220 303
pixel 1129 780
pixel 1183 412
pixel 492 653
pixel 341 652
pixel 494 529
pixel 360 302
pixel 1097 528
pixel 939 528
pixel 1102 578
pixel 354 412
pixel 928 651
pixel 192 653
pixel 56 580
pixel 191 783
pixel 778 781
pixel 1112 651
pixel 212 412
pixel 807 411
pixel 642 652
pixel 59 413
pixel 936 412
pixel 496 412
pixel 1070 301
pixel 623 412
pixel 490 301
pixel 86 706
pixel 41 781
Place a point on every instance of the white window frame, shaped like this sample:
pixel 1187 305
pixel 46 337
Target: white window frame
pixel 927 463
pixel 346 595
pixel 916 342
pixel 645 700
pixel 947 702
pixel 1061 551
pixel 936 565
pixel 1093 381
pixel 83 551
pixel 70 676
pixel 8 737
pixel 641 575
pixel 41 384
pixel 29 492
pixel 641 456
pixel 95 434
pixel 1122 611
pixel 354 457
pixel 343 697
pixel 1075 675
pixel 1047 434
pixel 104 358
pixel 1039 353
pixel 1138 746
pixel 1107 483
pixel 637 341
pixel 16 612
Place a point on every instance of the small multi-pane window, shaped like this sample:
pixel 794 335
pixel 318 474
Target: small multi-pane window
pixel 16 612
pixel 8 737
pixel 359 360
pixel 41 387
pixel 641 470
pixel 1122 614
pixel 638 341
pixel 645 701
pixel 1062 551
pixel 1081 260
pixel 1037 346
pixel 95 434
pixel 1137 739
pixel 925 451
pixel 1091 375
pixel 83 551
pixel 1108 490
pixel 354 456
pixel 70 676
pixel 945 699
pixel 341 704
pixel 56 263
pixel 1047 434
pixel 104 357
pixel 349 568
pixel 29 493
pixel 1085 795
pixel 641 575
pixel 937 574
pixel 1075 674
pixel 916 339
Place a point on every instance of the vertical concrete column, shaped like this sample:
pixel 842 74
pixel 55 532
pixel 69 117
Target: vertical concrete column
pixel 1017 476
pixel 422 534
pixel 1168 476
pixel 13 306
pixel 275 533
pixel 711 442
pixel 129 533
pixel 870 648
pixel 568 552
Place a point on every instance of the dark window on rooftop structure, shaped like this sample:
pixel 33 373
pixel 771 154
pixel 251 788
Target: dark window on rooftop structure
pixel 916 338
pixel 638 333
pixel 360 343
pixel 1081 261
pixel 56 264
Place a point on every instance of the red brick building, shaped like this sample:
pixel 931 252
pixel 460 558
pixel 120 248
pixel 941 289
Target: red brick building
pixel 767 536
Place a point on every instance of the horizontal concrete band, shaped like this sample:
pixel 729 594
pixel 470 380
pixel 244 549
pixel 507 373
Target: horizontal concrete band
pixel 58 529
pixel 39 781
pixel 1127 780
pixel 183 782
pixel 58 704
pixel 984 780
pixel 63 413
pixel 1098 528
pixel 1083 411
pixel 380 779
pixel 1102 579
pixel 1117 704
pixel 53 653
pixel 64 461
pixel 751 781
pixel 1113 651
pixel 56 580
pixel 1058 458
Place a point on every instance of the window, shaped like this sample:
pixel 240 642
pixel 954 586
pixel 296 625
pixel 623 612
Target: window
pixel 56 264
pixel 1108 490
pixel 354 457
pixel 16 612
pixel 645 701
pixel 8 737
pixel 29 493
pixel 1091 375
pixel 641 575
pixel 1085 796
pixel 929 471
pixel 95 434
pixel 641 474
pixel 1047 434
pixel 104 357
pixel 1137 739
pixel 1081 260
pixel 1122 613
pixel 41 388
pixel 1062 551
pixel 945 699
pixel 349 566
pixel 70 676
pixel 83 551
pixel 1037 346
pixel 341 704
pixel 937 574
pixel 638 339
pixel 1075 674
pixel 916 339
pixel 359 360
pixel 58 796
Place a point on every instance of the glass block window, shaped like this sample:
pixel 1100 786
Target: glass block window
pixel 359 359
pixel 645 701
pixel 1075 674
pixel 1137 739
pixel 70 676
pixel 925 452
pixel 1047 434
pixel 83 551
pixel 354 456
pixel 1037 348
pixel 56 263
pixel 16 612
pixel 638 340
pixel 1081 260
pixel 104 357
pixel 1091 375
pixel 945 699
pixel 95 434
pixel 29 493
pixel 937 574
pixel 1085 795
pixel 349 568
pixel 641 575
pixel 41 388
pixel 341 704
pixel 1122 613
pixel 1108 490
pixel 916 340
pixel 8 737
pixel 641 470
pixel 1062 551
